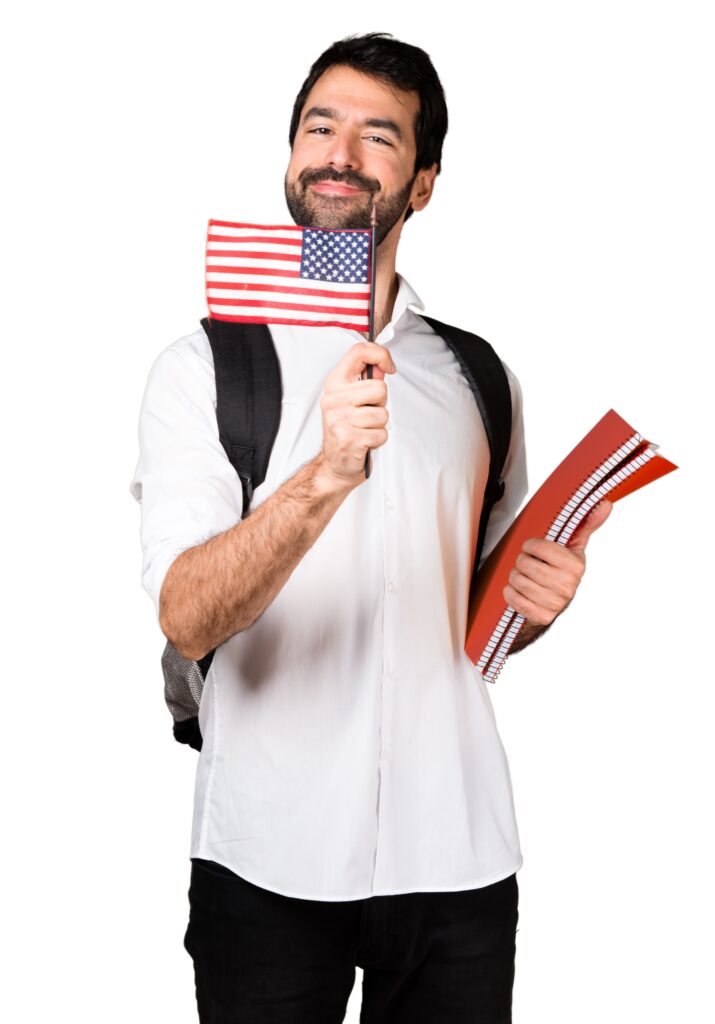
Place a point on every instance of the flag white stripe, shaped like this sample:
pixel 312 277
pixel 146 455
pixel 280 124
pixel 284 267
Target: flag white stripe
pixel 251 232
pixel 239 247
pixel 267 312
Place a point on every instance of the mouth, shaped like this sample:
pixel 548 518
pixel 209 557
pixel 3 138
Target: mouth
pixel 336 188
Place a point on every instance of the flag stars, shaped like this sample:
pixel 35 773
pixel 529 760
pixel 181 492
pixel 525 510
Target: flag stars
pixel 335 255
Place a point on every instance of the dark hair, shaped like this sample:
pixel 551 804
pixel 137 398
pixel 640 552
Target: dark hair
pixel 404 66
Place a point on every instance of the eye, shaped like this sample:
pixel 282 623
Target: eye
pixel 322 128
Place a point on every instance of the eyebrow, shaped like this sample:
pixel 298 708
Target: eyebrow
pixel 370 122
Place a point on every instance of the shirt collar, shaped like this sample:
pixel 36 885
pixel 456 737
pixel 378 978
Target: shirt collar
pixel 406 296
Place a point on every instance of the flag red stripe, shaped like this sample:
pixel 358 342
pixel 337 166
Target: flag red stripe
pixel 280 320
pixel 250 254
pixel 220 269
pixel 287 289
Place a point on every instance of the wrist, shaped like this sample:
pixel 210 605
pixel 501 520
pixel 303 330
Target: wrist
pixel 329 483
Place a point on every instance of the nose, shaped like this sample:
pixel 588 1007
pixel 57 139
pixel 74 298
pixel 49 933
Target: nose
pixel 342 152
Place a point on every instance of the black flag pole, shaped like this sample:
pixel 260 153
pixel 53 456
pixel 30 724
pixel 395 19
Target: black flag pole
pixel 371 332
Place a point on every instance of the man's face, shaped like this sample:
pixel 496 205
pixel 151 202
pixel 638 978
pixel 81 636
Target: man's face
pixel 355 142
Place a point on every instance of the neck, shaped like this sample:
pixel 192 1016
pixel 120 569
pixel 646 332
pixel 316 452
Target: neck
pixel 386 287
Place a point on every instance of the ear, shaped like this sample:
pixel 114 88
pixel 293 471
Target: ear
pixel 423 187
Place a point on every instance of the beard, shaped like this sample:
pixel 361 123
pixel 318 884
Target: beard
pixel 310 209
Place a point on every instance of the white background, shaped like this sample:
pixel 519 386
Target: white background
pixel 572 226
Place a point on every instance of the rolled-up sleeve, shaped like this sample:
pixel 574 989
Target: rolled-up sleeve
pixel 514 474
pixel 186 486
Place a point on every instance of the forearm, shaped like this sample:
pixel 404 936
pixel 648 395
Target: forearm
pixel 526 635
pixel 219 588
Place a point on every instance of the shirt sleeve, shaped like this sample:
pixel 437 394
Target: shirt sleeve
pixel 514 474
pixel 186 486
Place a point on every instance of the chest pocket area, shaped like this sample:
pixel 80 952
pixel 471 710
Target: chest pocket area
pixel 453 433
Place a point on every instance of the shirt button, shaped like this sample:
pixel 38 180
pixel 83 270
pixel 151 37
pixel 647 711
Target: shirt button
pixel 388 503
pixel 390 585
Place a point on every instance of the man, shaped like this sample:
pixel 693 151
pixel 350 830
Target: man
pixel 353 805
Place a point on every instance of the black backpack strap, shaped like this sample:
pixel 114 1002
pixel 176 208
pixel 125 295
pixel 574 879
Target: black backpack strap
pixel 249 393
pixel 490 386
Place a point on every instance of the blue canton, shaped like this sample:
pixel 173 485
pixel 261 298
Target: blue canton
pixel 336 256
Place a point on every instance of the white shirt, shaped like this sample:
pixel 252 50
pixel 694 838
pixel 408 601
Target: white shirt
pixel 350 747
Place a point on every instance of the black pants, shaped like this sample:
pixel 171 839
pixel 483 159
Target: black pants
pixel 428 957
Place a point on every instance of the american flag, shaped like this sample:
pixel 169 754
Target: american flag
pixel 277 274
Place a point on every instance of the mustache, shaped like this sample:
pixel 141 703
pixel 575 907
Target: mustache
pixel 312 177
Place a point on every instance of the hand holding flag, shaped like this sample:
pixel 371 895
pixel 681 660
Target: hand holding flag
pixel 354 410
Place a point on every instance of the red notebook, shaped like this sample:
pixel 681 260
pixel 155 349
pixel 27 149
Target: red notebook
pixel 612 460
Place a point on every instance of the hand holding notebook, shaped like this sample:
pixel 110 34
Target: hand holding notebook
pixel 547 574
pixel 612 460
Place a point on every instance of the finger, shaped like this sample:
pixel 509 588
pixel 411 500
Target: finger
pixel 559 578
pixel 553 553
pixel 553 599
pixel 368 416
pixel 363 392
pixel 595 519
pixel 358 416
pixel 357 358
pixel 529 609
pixel 367 437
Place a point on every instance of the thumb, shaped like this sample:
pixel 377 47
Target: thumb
pixel 595 518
